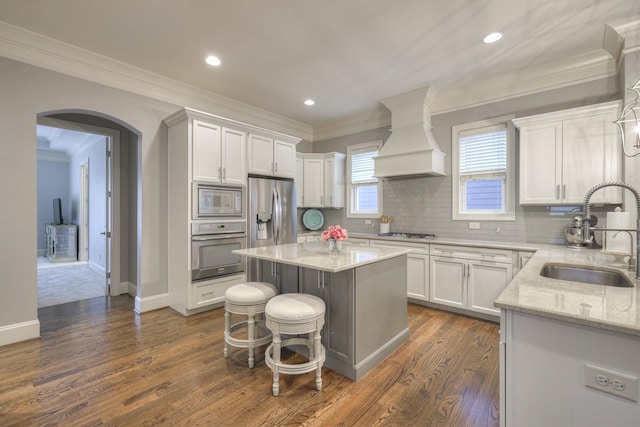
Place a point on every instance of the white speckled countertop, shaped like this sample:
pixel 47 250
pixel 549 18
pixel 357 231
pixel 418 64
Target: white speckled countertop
pixel 605 307
pixel 316 255
pixel 599 306
pixel 514 246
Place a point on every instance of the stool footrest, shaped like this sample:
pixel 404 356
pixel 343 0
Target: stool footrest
pixel 298 368
pixel 244 343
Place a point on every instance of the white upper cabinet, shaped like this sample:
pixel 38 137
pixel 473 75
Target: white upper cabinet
pixel 284 159
pixel 563 154
pixel 207 148
pixel 271 157
pixel 218 154
pixel 312 189
pixel 333 188
pixel 322 180
pixel 260 155
pixel 233 156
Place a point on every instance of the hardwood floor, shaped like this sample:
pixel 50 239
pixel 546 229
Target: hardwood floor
pixel 99 363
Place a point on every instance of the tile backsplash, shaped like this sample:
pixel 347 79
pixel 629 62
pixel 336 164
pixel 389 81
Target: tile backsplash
pixel 423 205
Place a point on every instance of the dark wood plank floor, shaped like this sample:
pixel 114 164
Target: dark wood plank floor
pixel 99 363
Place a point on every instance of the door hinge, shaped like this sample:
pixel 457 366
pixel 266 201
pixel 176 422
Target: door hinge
pixel 109 275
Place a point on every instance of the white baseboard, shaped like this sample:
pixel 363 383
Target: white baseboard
pixel 96 268
pixel 151 303
pixel 19 332
pixel 128 288
pixel 123 288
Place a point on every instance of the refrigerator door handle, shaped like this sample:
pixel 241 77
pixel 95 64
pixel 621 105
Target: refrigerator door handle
pixel 276 216
pixel 279 216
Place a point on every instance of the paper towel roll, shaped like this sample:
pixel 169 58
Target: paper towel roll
pixel 620 244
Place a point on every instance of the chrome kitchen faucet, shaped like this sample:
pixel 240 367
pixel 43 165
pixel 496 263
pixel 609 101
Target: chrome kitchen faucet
pixel 586 228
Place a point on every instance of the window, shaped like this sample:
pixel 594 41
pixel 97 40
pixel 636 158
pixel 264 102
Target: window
pixel 482 170
pixel 364 191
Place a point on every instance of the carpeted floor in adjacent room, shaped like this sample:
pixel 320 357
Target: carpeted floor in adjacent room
pixel 59 283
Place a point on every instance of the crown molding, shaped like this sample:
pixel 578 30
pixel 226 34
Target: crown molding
pixel 53 156
pixel 622 36
pixel 359 122
pixel 35 49
pixel 594 65
pixel 590 66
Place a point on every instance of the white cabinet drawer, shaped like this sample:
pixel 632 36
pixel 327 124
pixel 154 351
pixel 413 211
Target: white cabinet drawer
pixel 212 291
pixel 418 248
pixel 357 241
pixel 479 254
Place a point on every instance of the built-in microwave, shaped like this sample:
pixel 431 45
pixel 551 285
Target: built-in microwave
pixel 217 201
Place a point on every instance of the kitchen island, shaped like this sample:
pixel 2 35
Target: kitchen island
pixel 365 291
pixel 554 333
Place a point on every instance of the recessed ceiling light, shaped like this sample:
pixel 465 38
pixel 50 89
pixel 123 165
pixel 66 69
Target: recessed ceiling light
pixel 213 60
pixel 309 102
pixel 492 38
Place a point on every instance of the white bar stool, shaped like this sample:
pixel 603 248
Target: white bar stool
pixel 295 314
pixel 248 299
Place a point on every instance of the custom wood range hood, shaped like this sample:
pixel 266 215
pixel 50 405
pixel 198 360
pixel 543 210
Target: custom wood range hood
pixel 411 150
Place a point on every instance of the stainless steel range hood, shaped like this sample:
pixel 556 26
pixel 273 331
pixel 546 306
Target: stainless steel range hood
pixel 411 150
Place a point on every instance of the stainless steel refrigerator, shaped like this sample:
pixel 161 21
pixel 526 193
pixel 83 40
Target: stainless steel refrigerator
pixel 272 220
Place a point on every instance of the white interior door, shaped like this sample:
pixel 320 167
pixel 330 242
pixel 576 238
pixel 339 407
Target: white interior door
pixel 83 237
pixel 109 217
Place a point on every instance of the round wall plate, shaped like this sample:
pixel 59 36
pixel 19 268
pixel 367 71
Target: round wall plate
pixel 313 219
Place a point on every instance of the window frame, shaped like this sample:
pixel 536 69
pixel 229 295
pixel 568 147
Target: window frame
pixel 350 186
pixel 510 178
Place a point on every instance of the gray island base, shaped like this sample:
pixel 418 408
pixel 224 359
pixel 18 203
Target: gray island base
pixel 365 291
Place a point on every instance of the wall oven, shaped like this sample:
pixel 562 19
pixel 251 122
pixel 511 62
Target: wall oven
pixel 211 246
pixel 212 201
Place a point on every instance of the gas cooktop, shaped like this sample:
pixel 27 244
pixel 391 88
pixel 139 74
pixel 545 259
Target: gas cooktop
pixel 408 235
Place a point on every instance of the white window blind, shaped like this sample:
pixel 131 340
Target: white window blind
pixel 483 170
pixel 362 166
pixel 364 190
pixel 483 151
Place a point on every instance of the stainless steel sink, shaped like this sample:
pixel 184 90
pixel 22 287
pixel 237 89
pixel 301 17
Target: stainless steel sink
pixel 586 274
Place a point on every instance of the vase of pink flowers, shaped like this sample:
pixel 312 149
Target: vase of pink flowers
pixel 335 236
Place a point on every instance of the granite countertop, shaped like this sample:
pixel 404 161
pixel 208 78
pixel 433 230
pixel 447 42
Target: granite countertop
pixel 605 307
pixel 316 255
pixel 514 246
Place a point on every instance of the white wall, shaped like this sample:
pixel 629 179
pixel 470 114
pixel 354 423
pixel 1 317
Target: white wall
pixel 34 91
pixel 53 182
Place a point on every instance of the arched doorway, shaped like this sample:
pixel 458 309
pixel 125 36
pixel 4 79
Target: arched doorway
pixel 107 222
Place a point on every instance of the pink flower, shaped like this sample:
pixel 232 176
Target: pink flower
pixel 334 232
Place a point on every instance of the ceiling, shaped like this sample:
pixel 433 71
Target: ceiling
pixel 64 140
pixel 346 55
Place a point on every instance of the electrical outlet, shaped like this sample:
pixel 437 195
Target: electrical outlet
pixel 611 382
pixel 474 226
pixel 367 222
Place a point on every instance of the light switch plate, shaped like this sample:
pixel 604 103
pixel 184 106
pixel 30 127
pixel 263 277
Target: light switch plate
pixel 474 226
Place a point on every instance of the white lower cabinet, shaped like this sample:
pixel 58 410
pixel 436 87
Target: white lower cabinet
pixel 209 292
pixel 469 278
pixel 417 268
pixel 519 262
